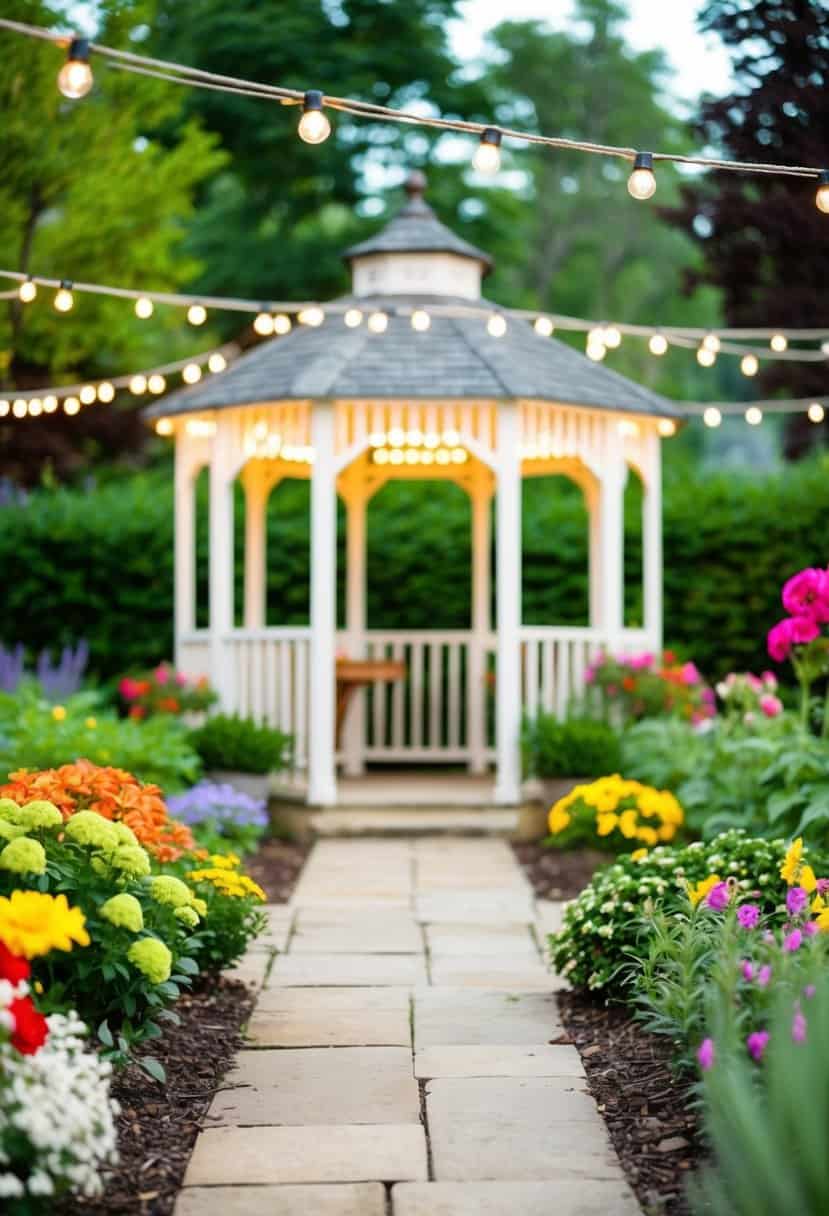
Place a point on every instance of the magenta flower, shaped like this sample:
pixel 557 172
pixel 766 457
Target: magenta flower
pixel 798 1027
pixel 705 1054
pixel 162 675
pixel 756 1043
pixel 770 681
pixel 796 900
pixel 749 916
pixel 809 990
pixel 718 897
pixel 793 631
pixel 690 673
pixel 793 941
pixel 747 969
pixel 764 975
pixel 823 886
pixel 806 594
pixel 810 928
pixel 771 706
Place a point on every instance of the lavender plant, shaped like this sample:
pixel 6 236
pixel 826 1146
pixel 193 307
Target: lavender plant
pixel 64 678
pixel 221 816
pixel 11 667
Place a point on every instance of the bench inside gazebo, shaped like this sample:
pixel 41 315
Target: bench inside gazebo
pixel 413 375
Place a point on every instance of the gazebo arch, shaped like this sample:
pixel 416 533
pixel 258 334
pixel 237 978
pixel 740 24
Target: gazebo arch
pixel 351 408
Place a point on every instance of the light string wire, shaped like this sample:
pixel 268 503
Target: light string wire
pixel 198 78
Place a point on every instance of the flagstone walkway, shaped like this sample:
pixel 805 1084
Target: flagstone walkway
pixel 400 1060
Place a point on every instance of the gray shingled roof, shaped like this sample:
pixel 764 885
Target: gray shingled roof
pixel 455 358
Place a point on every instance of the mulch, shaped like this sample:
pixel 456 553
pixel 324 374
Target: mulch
pixel 647 1107
pixel 276 867
pixel 558 873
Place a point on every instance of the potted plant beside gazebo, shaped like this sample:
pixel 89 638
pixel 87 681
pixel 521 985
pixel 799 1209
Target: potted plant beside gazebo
pixel 240 752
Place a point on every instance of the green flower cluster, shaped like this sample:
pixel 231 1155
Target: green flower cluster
pixel 21 854
pixel 602 929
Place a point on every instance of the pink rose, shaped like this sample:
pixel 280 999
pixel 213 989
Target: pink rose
pixel 792 631
pixel 807 594
pixel 771 705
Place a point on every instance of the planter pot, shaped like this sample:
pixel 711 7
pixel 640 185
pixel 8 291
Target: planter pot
pixel 255 785
pixel 539 794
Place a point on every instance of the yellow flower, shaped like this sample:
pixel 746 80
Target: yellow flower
pixel 818 904
pixel 91 723
pixel 23 856
pixel 124 911
pixel 32 923
pixel 647 836
pixel 666 832
pixel 792 862
pixel 58 713
pixel 152 958
pixel 559 819
pixel 807 881
pixel 699 892
pixel 823 921
pixel 225 861
pixel 628 824
pixel 638 854
pixel 605 823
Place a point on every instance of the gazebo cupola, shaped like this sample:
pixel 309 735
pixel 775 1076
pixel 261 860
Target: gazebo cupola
pixel 406 378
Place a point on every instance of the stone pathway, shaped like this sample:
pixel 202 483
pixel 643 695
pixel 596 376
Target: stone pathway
pixel 400 1059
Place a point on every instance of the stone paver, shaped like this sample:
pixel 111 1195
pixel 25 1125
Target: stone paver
pixel 542 1060
pixel 516 973
pixel 514 940
pixel 314 970
pixel 275 935
pixel 561 1198
pixel 318 1085
pixel 462 1017
pixel 354 1199
pixel 331 1017
pixel 375 935
pixel 476 907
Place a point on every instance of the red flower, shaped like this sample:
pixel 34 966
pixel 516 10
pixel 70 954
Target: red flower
pixel 137 711
pixel 30 1027
pixel 12 968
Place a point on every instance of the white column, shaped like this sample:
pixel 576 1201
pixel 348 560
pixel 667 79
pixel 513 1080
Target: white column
pixel 256 498
pixel 612 539
pixel 508 573
pixel 221 563
pixel 322 784
pixel 591 501
pixel 184 544
pixel 481 624
pixel 355 624
pixel 652 542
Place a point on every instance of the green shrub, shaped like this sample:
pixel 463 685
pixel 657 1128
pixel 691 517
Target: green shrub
pixel 575 748
pixel 233 744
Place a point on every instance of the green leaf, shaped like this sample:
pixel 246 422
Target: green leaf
pixel 105 1034
pixel 153 1068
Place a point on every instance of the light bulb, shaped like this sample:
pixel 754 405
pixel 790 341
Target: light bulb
pixel 4 409
pixel 749 365
pixel 64 299
pixel 496 325
pixel 353 317
pixel 816 412
pixel 543 326
pixel 75 77
pixel 626 427
pixel 87 394
pixel 754 415
pixel 27 291
pixel 312 316
pixel 50 404
pixel 190 374
pixel 596 351
pixel 263 324
pixel 612 337
pixel 779 343
pixel 144 308
pixel 666 427
pixel 71 405
pixel 314 126
pixel 378 322
pixel 282 323
pixel 421 320
pixel 822 196
pixel 197 314
pixel 106 392
pixel 706 357
pixel 138 385
pixel 642 183
pixel 35 407
pixel 164 426
pixel 217 362
pixel 658 344
pixel 712 416
pixel 156 383
pixel 487 158
pixel 711 342
pixel 20 408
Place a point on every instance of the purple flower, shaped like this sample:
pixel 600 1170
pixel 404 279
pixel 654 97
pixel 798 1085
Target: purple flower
pixel 796 900
pixel 749 916
pixel 798 1027
pixel 764 975
pixel 810 928
pixel 705 1054
pixel 809 990
pixel 718 897
pixel 747 970
pixel 793 941
pixel 756 1043
pixel 218 804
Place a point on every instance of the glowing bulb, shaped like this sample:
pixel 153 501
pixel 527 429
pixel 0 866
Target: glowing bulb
pixel 87 394
pixel 666 427
pixel 314 126
pixel 421 320
pixel 712 416
pixel 658 344
pixel 711 342
pixel 217 362
pixel 138 385
pixel 378 322
pixel 595 350
pixel 397 437
pixel 642 183
pixel 75 77
pixel 612 337
pixel 190 374
pixel 459 455
pixel 706 357
pixel 35 407
pixel 749 365
pixel 263 324
pixel 106 392
pixel 754 415
pixel 27 291
pixel 156 383
pixel 381 456
pixel 4 408
pixel 816 412
pixel 312 316
pixel 71 405
pixel 50 404
pixel 822 196
pixel 353 317
pixel 626 427
pixel 144 308
pixel 779 343
pixel 281 324
pixel 496 325
pixel 64 299
pixel 487 158
pixel 451 438
pixel 411 456
pixel 543 326
pixel 20 408
pixel 164 426
pixel 197 314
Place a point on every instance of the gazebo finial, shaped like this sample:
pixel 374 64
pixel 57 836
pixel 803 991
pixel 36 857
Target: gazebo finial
pixel 415 185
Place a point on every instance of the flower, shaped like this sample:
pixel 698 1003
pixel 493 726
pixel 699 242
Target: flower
pixel 23 856
pixel 92 830
pixel 30 1027
pixel 606 822
pixel 705 1054
pixel 152 958
pixel 793 941
pixel 166 889
pixel 747 970
pixel 90 723
pixel 559 819
pixel 638 854
pixel 796 900
pixel 58 713
pixel 124 911
pixel 187 915
pixel 792 631
pixel 807 879
pixel 32 923
pixel 131 860
pixel 718 897
pixel 748 916
pixel 12 967
pixel 756 1043
pixel 806 594
pixel 771 706
pixel 39 814
pixel 790 869
pixel 699 892
pixel 764 975
pixel 798 1027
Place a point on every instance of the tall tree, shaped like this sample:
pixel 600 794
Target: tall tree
pixel 764 243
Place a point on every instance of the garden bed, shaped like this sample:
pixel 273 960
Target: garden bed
pixel 276 866
pixel 646 1107
pixel 558 873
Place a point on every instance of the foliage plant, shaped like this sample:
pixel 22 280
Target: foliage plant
pixel 614 813
pixel 38 735
pixel 165 691
pixel 573 748
pixel 234 744
pixel 627 688
pixel 802 637
pixel 221 816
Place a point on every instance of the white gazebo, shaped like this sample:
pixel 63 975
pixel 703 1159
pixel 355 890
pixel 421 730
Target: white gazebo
pixel 409 377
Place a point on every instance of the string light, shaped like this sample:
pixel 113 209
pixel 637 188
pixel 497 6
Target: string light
pixel 487 157
pixel 706 357
pixel 64 300
pixel 496 326
pixel 378 322
pixel 4 408
pixel 138 385
pixel 749 365
pixel 628 428
pixel 217 362
pixel 612 337
pixel 544 327
pixel 312 316
pixel 712 416
pixel 164 426
pixel 27 291
pixel 144 308
pixel 197 314
pixel 779 343
pixel 156 383
pixel 666 427
pixel 106 392
pixel 658 344
pixel 642 183
pixel 50 403
pixel 595 350
pixel 353 317
pixel 20 408
pixel 87 394
pixel 281 324
pixel 35 407
pixel 263 324
pixel 314 127
pixel 71 406
pixel 754 415
pixel 822 196
pixel 712 342
pixel 75 77
pixel 421 320
pixel 816 412
pixel 191 373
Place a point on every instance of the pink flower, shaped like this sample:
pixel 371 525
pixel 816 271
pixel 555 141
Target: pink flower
pixel 641 662
pixel 793 941
pixel 705 1054
pixel 809 990
pixel 793 631
pixel 756 1043
pixel 823 886
pixel 181 679
pixel 754 682
pixel 798 1027
pixel 811 928
pixel 764 975
pixel 749 916
pixel 161 675
pixel 690 674
pixel 806 594
pixel 796 900
pixel 128 688
pixel 770 680
pixel 747 970
pixel 771 705
pixel 718 897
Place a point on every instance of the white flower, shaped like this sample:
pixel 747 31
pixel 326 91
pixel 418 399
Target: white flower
pixel 40 1184
pixel 10 1186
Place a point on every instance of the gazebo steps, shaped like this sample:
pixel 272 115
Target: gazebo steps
pixel 416 820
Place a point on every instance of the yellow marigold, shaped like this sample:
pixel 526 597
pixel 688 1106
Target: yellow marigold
pixel 823 921
pixel 790 869
pixel 699 892
pixel 606 822
pixel 225 861
pixel 32 923
pixel 647 836
pixel 808 881
pixel 628 823
pixel 638 854
pixel 558 819
pixel 58 713
pixel 666 832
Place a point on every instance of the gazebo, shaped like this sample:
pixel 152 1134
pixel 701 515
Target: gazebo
pixel 413 375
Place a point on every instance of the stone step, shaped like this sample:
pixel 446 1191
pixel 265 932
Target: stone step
pixel 416 821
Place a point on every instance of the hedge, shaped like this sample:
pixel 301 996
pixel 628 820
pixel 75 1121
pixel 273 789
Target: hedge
pixel 97 563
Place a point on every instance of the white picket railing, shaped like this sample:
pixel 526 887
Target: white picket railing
pixel 555 659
